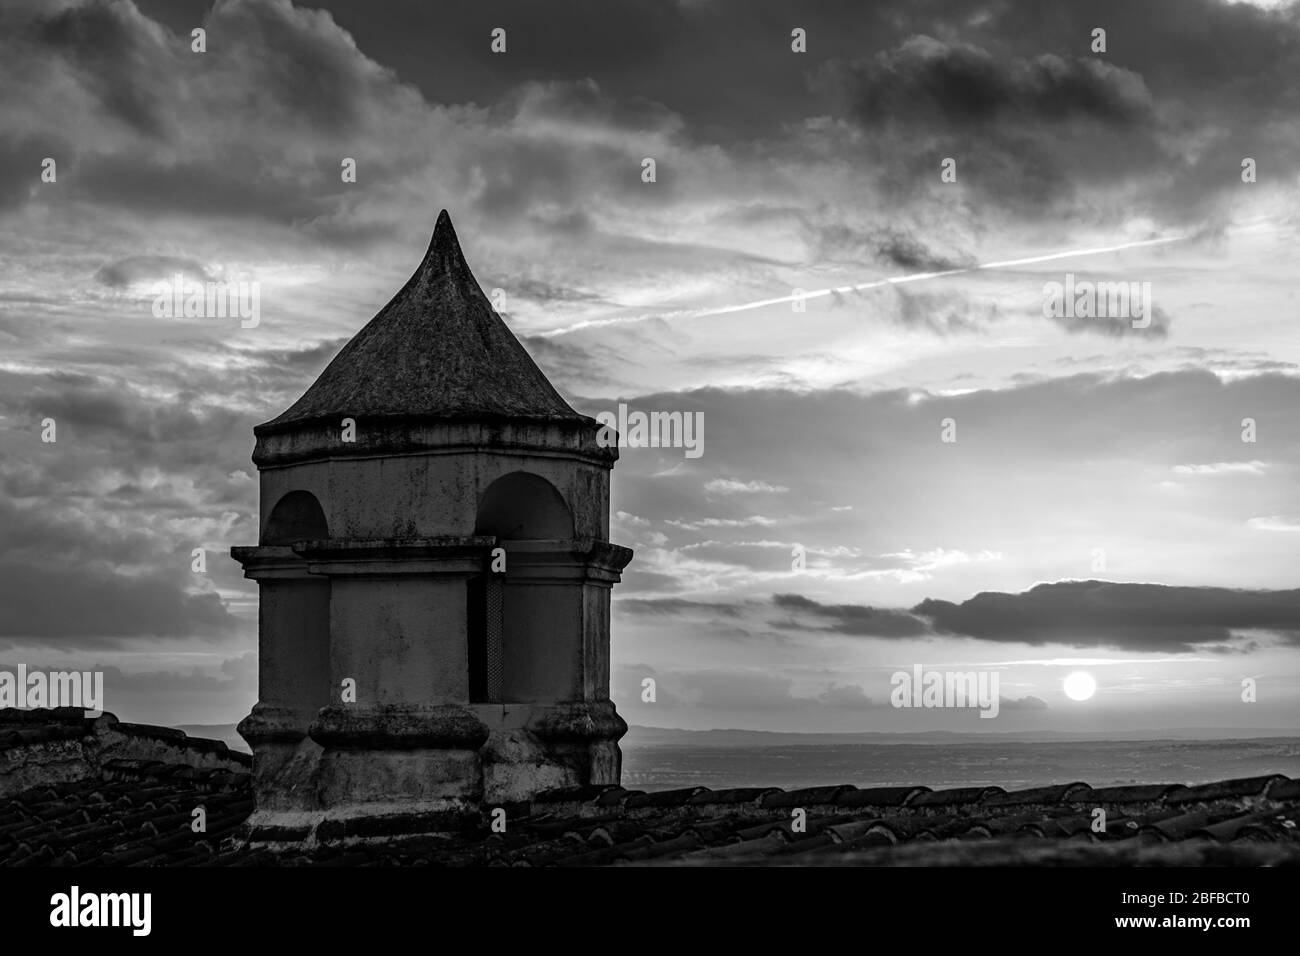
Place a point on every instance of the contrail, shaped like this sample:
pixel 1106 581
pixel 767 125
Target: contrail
pixel 861 286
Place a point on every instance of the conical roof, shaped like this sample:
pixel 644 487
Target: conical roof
pixel 438 350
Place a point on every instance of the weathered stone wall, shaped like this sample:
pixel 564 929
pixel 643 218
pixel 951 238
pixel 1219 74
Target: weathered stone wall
pixel 50 747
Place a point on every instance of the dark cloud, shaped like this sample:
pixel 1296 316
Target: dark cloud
pixel 109 46
pixel 927 82
pixel 1135 617
pixel 69 576
pixel 940 313
pixel 899 248
pixel 655 607
pixel 208 187
pixel 1117 326
pixel 20 165
pixel 53 602
pixel 847 618
pixel 733 76
pixel 124 272
pixel 1024 131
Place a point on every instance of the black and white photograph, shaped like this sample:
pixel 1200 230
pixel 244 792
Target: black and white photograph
pixel 361 534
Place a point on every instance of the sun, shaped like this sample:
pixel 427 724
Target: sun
pixel 1080 686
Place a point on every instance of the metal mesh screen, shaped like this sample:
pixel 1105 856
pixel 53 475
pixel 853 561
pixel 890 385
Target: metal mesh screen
pixel 495 665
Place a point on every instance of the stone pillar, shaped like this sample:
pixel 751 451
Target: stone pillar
pixel 293 675
pixel 555 619
pixel 398 630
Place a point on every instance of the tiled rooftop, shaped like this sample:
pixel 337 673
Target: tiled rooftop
pixel 77 790
pixel 137 811
pixel 1250 821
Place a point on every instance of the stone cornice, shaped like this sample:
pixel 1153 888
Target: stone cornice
pixel 392 436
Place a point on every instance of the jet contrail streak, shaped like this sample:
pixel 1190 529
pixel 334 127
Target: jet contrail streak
pixel 860 287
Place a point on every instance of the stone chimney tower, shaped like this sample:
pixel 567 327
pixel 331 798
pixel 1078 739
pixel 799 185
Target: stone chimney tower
pixel 434 569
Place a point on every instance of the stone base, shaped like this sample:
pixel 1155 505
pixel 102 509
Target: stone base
pixel 284 758
pixel 372 773
pixel 536 747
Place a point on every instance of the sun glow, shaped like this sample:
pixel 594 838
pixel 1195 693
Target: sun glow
pixel 1080 686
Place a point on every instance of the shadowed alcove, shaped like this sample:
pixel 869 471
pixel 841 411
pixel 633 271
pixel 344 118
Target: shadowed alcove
pixel 294 655
pixel 297 516
pixel 516 507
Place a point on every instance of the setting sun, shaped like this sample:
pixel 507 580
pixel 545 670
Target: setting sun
pixel 1080 686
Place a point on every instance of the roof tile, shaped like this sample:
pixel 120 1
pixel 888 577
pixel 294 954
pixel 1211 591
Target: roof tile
pixel 662 798
pixel 809 796
pixel 735 795
pixel 1141 793
pixel 1059 793
pixel 1226 790
pixel 956 797
pixel 880 796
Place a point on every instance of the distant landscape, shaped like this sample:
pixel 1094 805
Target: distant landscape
pixel 656 758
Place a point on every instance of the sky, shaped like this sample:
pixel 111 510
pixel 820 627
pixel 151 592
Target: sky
pixel 940 471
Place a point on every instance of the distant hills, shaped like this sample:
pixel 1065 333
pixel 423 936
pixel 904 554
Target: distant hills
pixel 672 737
pixel 638 736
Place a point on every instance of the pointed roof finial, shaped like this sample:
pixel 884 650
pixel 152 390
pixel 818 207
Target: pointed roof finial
pixel 444 256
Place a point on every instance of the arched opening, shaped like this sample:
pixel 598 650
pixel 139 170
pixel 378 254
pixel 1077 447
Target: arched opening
pixel 516 507
pixel 294 641
pixel 297 516
pixel 520 506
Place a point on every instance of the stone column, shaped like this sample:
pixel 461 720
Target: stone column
pixel 556 648
pixel 398 633
pixel 293 674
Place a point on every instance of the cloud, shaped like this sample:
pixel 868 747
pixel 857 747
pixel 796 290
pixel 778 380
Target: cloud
pixel 70 579
pixel 848 618
pixel 1217 468
pixel 110 48
pixel 1137 617
pixel 924 80
pixel 1026 131
pixel 659 607
pixel 1028 702
pixel 731 486
pixel 1274 523
pixel 847 697
pixel 59 603
pixel 899 248
pixel 1155 326
pixel 752 521
pixel 125 272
